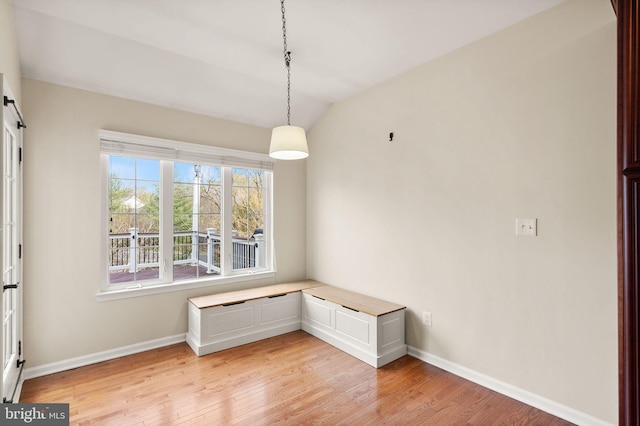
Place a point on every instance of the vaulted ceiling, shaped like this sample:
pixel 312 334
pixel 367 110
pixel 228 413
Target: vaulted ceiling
pixel 224 58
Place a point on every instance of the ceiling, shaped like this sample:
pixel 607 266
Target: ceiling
pixel 224 58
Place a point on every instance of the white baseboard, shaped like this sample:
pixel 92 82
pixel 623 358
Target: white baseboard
pixel 81 361
pixel 346 344
pixel 529 398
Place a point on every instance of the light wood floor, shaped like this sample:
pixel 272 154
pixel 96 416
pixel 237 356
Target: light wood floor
pixel 293 379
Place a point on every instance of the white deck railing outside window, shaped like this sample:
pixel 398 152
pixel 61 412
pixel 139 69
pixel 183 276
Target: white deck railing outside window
pixel 134 251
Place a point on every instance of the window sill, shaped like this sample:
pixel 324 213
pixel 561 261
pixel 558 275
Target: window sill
pixel 105 296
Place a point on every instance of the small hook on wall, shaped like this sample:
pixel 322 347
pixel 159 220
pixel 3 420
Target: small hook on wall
pixel 391 137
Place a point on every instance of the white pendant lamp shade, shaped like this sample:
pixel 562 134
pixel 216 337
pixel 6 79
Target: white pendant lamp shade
pixel 288 143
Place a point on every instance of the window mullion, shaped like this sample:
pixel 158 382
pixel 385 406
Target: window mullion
pixel 268 220
pixel 227 239
pixel 166 221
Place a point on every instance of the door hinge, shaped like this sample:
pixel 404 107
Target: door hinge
pixel 19 251
pixel 20 365
pixel 20 155
pixel 19 348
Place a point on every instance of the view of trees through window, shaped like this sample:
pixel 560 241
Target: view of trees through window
pixel 135 194
pixel 134 219
pixel 247 217
pixel 197 204
pixel 248 213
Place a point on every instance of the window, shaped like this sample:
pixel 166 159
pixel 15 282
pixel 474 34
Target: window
pixel 179 214
pixel 248 217
pixel 134 219
pixel 197 209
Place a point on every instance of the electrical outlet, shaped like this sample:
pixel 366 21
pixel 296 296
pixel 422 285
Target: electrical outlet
pixel 426 318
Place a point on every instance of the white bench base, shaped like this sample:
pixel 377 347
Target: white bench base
pixel 376 340
pixel 222 327
pixel 226 320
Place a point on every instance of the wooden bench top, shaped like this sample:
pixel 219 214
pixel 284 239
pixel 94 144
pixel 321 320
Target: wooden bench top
pixel 208 301
pixel 349 299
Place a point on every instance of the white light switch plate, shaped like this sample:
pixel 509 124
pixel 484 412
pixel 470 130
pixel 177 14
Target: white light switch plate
pixel 526 227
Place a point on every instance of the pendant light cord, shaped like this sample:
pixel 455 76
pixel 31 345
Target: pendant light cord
pixel 287 62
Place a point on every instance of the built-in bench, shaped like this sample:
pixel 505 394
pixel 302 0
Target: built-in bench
pixel 224 320
pixel 368 328
pixel 365 327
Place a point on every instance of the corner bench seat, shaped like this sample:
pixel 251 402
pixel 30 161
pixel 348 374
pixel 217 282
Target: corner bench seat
pixel 365 327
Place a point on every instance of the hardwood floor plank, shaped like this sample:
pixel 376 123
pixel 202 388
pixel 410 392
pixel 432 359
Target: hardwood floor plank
pixel 293 379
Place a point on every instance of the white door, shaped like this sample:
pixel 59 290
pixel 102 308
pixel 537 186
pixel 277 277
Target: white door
pixel 11 248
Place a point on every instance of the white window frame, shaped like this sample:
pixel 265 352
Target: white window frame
pixel 168 152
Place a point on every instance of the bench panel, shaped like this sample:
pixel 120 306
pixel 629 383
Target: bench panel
pixel 225 319
pixel 279 308
pixel 353 326
pixel 317 311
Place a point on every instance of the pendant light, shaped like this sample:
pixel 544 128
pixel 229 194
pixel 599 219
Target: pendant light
pixel 288 142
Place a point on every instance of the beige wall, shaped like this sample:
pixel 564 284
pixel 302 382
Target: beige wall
pixel 9 62
pixel 62 220
pixel 520 124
